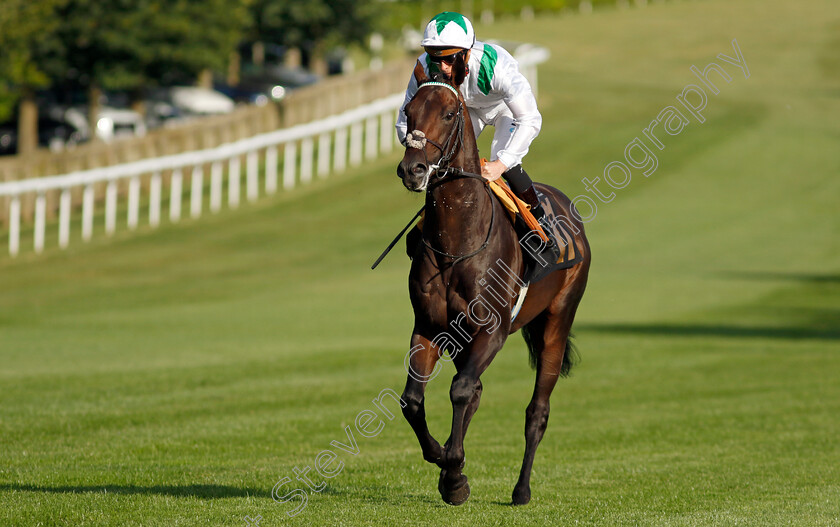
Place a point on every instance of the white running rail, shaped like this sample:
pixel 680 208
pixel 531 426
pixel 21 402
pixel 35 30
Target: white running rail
pixel 369 128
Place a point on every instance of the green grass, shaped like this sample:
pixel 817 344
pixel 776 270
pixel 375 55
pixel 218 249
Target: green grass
pixel 171 377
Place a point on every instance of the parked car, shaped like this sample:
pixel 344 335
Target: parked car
pixel 199 101
pixel 160 112
pixel 57 130
pixel 293 77
pixel 245 94
pixel 71 125
pixel 272 83
pixel 284 76
pixel 116 123
pixel 255 89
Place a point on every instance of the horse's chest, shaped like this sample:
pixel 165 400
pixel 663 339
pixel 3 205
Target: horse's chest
pixel 442 300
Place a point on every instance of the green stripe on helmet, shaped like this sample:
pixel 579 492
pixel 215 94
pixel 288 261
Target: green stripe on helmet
pixel 442 19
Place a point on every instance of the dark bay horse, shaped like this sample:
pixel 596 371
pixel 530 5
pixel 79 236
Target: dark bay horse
pixel 464 280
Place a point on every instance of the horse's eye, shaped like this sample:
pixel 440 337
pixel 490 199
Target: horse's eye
pixel 450 115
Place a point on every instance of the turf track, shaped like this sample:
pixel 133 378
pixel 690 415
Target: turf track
pixel 172 377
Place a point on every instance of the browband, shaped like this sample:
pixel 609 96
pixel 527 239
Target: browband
pixel 435 83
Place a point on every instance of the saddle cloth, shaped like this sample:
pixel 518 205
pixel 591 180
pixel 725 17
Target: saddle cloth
pixel 558 226
pixel 562 231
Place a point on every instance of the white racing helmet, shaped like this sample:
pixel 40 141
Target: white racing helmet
pixel 448 33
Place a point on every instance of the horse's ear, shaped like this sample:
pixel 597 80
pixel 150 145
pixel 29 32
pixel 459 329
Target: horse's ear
pixel 420 74
pixel 459 68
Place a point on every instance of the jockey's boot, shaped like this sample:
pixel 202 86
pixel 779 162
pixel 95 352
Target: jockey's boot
pixel 550 253
pixel 529 196
pixel 522 185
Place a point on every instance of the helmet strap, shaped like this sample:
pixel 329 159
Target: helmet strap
pixel 466 55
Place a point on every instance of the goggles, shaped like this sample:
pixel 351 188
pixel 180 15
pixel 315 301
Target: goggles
pixel 446 55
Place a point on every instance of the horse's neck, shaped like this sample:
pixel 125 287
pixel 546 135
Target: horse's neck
pixel 460 209
pixel 458 215
pixel 467 157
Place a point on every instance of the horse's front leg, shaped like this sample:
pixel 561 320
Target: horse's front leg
pixel 421 366
pixel 465 394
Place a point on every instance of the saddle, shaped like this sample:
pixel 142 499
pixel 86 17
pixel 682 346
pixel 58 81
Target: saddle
pixel 535 236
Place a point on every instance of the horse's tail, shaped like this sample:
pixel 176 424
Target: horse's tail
pixel 570 355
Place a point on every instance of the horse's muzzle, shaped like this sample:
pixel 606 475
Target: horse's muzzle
pixel 414 175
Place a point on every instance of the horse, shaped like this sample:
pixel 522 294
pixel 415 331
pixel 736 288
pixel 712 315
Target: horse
pixel 461 282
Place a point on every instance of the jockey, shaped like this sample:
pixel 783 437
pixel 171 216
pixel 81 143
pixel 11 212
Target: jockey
pixel 495 93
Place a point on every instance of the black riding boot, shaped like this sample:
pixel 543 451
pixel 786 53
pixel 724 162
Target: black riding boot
pixel 523 187
pixel 529 196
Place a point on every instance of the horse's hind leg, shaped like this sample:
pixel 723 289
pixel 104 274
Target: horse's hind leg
pixel 548 335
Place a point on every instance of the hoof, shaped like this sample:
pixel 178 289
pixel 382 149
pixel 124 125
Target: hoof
pixel 453 493
pixel 521 496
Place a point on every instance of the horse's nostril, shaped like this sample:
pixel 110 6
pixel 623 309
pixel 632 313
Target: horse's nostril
pixel 400 171
pixel 419 169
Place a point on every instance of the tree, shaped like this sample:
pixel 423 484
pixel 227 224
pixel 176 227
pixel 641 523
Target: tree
pixel 26 33
pixel 130 44
pixel 313 24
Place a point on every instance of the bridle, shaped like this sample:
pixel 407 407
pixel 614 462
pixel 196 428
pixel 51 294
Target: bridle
pixel 417 139
pixel 448 150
